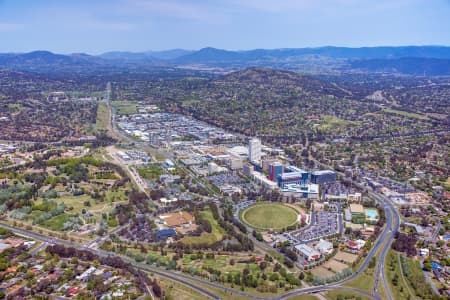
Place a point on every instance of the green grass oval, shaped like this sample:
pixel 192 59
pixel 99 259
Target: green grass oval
pixel 269 215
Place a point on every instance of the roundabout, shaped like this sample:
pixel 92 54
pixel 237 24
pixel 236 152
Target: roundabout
pixel 269 216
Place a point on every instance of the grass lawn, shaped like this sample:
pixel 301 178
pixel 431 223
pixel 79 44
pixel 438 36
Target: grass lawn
pixel 152 171
pixel 416 279
pixel 125 107
pixel 189 102
pixel 77 202
pixel 117 195
pixel 216 234
pixel 364 280
pixel 328 122
pixel 178 291
pixel 406 114
pixel 103 117
pixel 333 295
pixel 269 216
pixel 399 290
pixel 56 223
pixel 381 290
pixel 304 297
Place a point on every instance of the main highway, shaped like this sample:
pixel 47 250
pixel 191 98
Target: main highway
pixel 383 242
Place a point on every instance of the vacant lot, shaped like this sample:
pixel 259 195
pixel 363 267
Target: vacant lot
pixel 322 272
pixel 269 216
pixel 335 265
pixel 346 257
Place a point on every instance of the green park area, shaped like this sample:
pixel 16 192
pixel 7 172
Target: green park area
pixel 73 195
pixel 103 121
pixel 329 122
pixel 125 107
pixel 406 114
pixel 151 171
pixel 206 238
pixel 397 284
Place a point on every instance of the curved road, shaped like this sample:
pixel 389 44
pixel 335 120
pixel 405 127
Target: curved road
pixel 183 278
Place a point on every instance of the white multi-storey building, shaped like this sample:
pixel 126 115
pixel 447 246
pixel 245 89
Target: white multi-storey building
pixel 254 150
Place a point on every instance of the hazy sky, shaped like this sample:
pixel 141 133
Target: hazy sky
pixel 96 26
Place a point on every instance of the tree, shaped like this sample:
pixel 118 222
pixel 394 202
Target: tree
pixel 301 276
pixel 427 266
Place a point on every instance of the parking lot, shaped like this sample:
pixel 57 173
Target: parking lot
pixel 322 224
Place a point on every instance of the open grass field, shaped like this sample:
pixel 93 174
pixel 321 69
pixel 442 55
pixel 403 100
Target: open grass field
pixel 346 257
pixel 216 234
pixel 151 171
pixel 103 117
pixel 328 122
pixel 178 291
pixel 406 114
pixel 125 107
pixel 334 295
pixel 267 215
pixel 365 280
pixel 396 282
pixel 415 278
pixel 56 223
pixel 304 297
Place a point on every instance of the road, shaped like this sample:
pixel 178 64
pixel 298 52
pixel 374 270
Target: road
pixel 392 226
pixel 386 237
pixel 160 272
pixel 429 280
pixel 180 277
pixel 98 240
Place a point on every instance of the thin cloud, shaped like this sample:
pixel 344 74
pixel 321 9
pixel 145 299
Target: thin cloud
pixel 6 27
pixel 184 10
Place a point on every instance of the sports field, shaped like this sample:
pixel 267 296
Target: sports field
pixel 269 215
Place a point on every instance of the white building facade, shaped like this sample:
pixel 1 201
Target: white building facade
pixel 254 150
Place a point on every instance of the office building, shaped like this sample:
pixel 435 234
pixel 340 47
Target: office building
pixel 254 150
pixel 320 177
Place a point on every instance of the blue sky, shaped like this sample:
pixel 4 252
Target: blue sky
pixel 96 26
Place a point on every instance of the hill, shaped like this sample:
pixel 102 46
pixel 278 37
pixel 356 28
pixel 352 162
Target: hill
pixel 412 60
pixel 406 65
pixel 259 101
pixel 213 55
pixel 283 105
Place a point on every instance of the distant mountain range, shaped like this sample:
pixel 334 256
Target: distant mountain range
pixel 148 55
pixel 413 60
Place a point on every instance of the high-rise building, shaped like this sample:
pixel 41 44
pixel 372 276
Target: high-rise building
pixel 275 169
pixel 254 150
